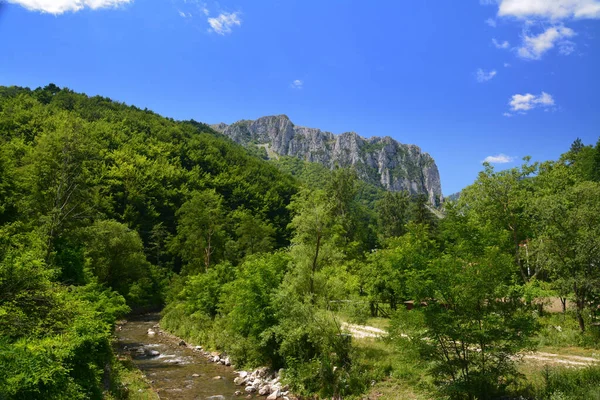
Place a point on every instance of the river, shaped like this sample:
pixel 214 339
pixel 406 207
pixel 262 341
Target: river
pixel 175 372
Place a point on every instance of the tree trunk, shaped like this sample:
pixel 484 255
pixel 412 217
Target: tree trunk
pixel 580 319
pixel 580 303
pixel 563 301
pixel 314 265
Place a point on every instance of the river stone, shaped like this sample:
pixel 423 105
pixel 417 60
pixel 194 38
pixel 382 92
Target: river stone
pixel 274 395
pixel 265 390
pixel 151 332
pixel 195 375
pixel 239 380
pixel 243 374
pixel 217 397
pixel 153 353
pixel 216 378
pixel 250 389
pixel 182 343
pixel 238 393
pixel 216 359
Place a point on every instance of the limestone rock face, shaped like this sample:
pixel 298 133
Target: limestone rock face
pixel 381 161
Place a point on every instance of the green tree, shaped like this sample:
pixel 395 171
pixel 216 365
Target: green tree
pixel 569 238
pixel 388 270
pixel 63 173
pixel 115 256
pixel 254 235
pixel 500 199
pixel 248 311
pixel 200 231
pixel 392 212
pixel 473 324
pixel 421 212
pixel 312 245
pixel 596 163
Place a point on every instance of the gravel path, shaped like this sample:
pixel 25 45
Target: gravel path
pixel 365 331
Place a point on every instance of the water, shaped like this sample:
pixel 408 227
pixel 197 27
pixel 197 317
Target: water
pixel 178 372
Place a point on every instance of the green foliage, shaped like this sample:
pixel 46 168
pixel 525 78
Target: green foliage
pixel 473 323
pixel 114 255
pixel 200 232
pixel 253 234
pixel 393 213
pixel 570 384
pixel 120 203
pixel 67 358
pixel 568 238
pixel 388 271
pixel 114 200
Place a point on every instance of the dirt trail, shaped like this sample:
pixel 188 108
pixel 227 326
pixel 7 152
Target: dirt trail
pixel 560 359
pixel 365 331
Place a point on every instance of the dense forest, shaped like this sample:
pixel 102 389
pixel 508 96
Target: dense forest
pixel 107 209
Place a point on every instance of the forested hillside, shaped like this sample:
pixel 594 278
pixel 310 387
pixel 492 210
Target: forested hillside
pixel 107 209
pixel 100 205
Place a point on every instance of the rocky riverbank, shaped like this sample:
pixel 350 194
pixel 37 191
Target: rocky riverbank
pixel 261 381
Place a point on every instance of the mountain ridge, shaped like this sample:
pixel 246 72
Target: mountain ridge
pixel 379 160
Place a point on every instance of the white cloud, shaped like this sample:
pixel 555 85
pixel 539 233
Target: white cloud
pixel 566 47
pixel 491 22
pixel 500 45
pixel 61 6
pixel 205 10
pixel 550 9
pixel 297 84
pixel 499 159
pixel 483 76
pixel 525 102
pixel 224 22
pixel 507 114
pixel 533 47
pixel 507 65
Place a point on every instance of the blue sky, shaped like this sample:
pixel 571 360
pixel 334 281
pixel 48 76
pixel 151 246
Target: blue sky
pixel 464 80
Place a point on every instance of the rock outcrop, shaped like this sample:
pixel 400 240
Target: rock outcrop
pixel 378 160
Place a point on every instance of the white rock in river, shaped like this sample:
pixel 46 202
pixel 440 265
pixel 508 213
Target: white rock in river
pixel 265 390
pixel 239 380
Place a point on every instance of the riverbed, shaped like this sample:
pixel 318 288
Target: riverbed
pixel 175 371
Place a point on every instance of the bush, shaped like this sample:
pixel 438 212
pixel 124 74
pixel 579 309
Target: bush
pixel 70 359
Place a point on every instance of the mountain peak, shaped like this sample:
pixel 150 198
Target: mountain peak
pixel 382 161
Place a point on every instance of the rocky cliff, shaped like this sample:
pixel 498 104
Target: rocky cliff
pixel 382 161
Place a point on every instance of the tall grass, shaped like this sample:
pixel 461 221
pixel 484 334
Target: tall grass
pixel 569 384
pixel 562 330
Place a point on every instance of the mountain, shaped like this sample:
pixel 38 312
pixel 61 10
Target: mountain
pixel 381 161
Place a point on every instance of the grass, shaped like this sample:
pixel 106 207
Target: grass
pixel 398 371
pixel 402 375
pixel 130 383
pixel 560 383
pixel 560 334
